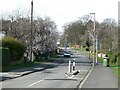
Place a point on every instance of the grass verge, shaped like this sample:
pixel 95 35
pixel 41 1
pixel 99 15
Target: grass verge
pixel 100 59
pixel 117 72
pixel 30 64
pixel 17 66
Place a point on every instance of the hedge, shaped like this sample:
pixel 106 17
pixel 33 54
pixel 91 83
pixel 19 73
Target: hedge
pixel 113 56
pixel 16 48
pixel 5 56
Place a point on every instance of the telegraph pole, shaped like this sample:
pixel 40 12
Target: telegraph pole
pixel 65 44
pixel 31 34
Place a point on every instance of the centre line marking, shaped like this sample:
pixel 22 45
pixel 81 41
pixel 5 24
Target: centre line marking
pixel 35 83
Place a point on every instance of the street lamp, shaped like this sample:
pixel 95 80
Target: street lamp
pixel 96 49
pixel 94 41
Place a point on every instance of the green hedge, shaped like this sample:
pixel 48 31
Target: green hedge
pixel 5 56
pixel 16 48
pixel 101 51
pixel 113 56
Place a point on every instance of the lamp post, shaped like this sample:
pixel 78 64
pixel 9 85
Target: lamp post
pixel 31 36
pixel 96 49
pixel 94 41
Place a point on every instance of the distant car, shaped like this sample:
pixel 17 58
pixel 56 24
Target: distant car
pixel 66 54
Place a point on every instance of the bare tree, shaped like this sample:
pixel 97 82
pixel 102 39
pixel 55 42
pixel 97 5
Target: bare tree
pixel 44 31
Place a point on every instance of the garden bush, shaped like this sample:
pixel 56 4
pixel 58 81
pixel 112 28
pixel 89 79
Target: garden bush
pixel 101 51
pixel 113 56
pixel 5 56
pixel 16 48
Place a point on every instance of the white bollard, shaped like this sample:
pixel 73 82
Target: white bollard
pixel 73 65
pixel 70 67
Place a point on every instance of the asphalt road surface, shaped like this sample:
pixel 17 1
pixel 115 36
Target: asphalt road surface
pixel 53 77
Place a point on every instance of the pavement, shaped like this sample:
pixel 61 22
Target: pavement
pixel 100 77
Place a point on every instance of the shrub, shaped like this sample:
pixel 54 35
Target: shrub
pixel 113 56
pixel 16 48
pixel 5 56
pixel 101 51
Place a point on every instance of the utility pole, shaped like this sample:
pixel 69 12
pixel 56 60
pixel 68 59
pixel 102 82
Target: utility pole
pixel 31 34
pixel 65 43
pixel 81 42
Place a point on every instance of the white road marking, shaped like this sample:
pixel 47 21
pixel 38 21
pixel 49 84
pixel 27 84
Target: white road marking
pixel 86 78
pixel 84 70
pixel 70 76
pixel 35 83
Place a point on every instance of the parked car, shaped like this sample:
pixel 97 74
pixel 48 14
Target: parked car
pixel 66 54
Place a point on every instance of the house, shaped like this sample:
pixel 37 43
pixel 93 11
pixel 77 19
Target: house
pixel 101 54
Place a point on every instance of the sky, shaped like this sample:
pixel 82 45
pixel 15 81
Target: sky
pixel 63 11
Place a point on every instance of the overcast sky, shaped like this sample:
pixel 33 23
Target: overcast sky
pixel 62 11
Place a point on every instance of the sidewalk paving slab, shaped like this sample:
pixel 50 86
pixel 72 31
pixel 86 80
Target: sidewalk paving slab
pixel 101 77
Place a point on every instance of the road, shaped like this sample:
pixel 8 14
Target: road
pixel 53 77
